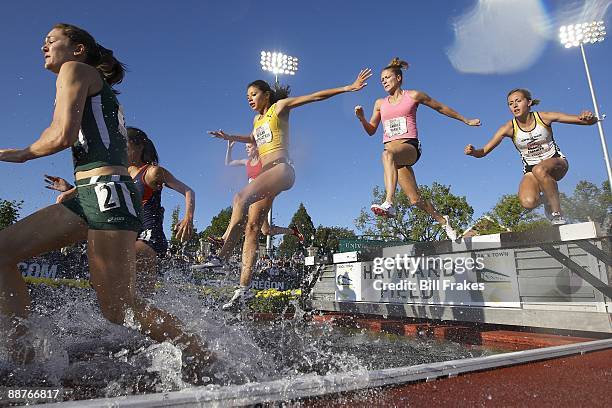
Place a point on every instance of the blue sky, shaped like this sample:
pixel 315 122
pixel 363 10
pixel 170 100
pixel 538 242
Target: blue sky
pixel 189 64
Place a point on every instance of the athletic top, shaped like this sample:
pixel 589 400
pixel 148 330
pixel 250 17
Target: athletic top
pixel 253 171
pixel 152 210
pixel 399 120
pixel 536 144
pixel 270 132
pixel 103 137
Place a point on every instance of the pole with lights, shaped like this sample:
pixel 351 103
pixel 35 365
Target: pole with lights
pixel 577 35
pixel 278 64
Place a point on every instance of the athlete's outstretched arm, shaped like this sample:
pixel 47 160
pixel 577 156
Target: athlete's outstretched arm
pixel 422 97
pixel 228 156
pixel 585 118
pixel 73 82
pixel 157 177
pixel 504 131
pixel 371 126
pixel 290 103
pixel 219 134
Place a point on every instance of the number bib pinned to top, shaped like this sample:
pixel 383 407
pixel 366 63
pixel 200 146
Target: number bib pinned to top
pixel 395 127
pixel 107 196
pixel 263 134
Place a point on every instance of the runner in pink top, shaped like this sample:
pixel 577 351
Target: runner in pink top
pixel 400 136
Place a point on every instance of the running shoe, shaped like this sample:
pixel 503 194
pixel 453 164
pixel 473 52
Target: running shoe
pixel 298 234
pixel 214 262
pixel 385 209
pixel 239 299
pixel 557 219
pixel 450 232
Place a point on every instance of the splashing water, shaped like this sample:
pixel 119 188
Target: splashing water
pixel 76 348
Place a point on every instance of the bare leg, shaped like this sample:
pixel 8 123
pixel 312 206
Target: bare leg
pixel 257 214
pixel 147 267
pixel 396 154
pixel 27 238
pixel 529 192
pixel 266 229
pixel 390 169
pixel 268 184
pixel 23 240
pixel 409 186
pixel 112 264
pixel 547 173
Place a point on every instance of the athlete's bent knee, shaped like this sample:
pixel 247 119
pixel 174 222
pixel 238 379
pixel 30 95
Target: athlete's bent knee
pixel 540 172
pixel 529 202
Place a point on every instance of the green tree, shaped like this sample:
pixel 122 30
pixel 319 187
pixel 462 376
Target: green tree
pixel 175 217
pixel 327 238
pixel 509 214
pixel 411 223
pixel 218 224
pixel 9 212
pixel 588 202
pixel 302 220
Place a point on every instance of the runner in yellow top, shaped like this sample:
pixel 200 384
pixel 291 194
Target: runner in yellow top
pixel 271 133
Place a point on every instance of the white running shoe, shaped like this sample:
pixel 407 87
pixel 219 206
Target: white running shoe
pixel 385 209
pixel 557 219
pixel 450 232
pixel 239 299
pixel 214 262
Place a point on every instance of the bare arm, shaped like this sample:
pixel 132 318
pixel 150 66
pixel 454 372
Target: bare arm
pixel 585 118
pixel 228 156
pixel 220 134
pixel 157 177
pixel 73 83
pixel 504 131
pixel 371 126
pixel 290 103
pixel 422 97
pixel 57 183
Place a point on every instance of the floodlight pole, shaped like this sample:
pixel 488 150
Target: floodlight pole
pixel 604 146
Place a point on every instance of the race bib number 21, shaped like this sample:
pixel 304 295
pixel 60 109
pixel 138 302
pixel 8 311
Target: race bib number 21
pixel 107 196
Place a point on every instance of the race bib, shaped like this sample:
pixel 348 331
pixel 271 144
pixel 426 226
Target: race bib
pixel 395 127
pixel 536 149
pixel 263 134
pixel 107 196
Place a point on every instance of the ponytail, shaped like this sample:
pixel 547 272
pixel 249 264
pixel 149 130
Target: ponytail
pixel 396 66
pixel 276 94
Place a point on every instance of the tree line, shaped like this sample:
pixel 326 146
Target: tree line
pixel 588 202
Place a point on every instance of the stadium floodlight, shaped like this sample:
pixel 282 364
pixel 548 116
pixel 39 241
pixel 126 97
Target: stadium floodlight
pixel 278 63
pixel 578 35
